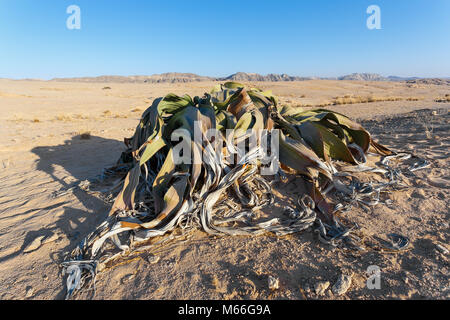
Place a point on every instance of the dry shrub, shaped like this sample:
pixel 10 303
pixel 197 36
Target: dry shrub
pixel 444 99
pixel 322 104
pixel 350 99
pixel 110 114
pixel 68 117
pixel 80 116
pixel 85 135
pixel 63 117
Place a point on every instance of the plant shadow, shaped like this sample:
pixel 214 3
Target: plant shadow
pixel 81 159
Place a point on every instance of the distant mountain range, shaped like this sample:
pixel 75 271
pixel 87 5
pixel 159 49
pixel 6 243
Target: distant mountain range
pixel 370 77
pixel 242 76
pixel 170 77
pixel 174 77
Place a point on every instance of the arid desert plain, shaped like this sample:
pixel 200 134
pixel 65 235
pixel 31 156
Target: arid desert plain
pixel 56 134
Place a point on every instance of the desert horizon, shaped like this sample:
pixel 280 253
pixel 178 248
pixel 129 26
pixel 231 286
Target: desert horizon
pixel 237 76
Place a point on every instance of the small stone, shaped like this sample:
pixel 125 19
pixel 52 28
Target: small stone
pixel 30 292
pixel 45 277
pixel 101 266
pixel 127 278
pixel 419 194
pixel 274 283
pixel 442 196
pixel 36 243
pixel 342 284
pixel 153 259
pixel 321 287
pixel 442 249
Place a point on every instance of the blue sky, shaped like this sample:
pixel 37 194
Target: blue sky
pixel 217 38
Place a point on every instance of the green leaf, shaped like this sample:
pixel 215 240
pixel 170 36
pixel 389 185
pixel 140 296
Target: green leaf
pixel 325 143
pixel 298 157
pixel 172 104
pixel 151 149
pixel 233 85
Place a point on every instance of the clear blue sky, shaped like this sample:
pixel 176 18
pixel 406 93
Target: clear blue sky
pixel 217 37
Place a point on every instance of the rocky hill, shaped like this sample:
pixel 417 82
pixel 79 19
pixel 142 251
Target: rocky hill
pixel 242 76
pixel 363 77
pixel 435 81
pixel 170 77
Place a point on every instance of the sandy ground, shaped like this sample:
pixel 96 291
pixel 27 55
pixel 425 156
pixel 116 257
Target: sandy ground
pixel 41 155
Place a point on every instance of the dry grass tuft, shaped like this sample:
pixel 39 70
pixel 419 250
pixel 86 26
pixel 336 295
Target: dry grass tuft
pixel 351 99
pixel 80 117
pixel 85 135
pixel 121 116
pixel 110 114
pixel 322 104
pixel 414 98
pixel 63 117
pixel 68 117
pixel 444 99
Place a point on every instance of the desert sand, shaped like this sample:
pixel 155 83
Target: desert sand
pixel 42 156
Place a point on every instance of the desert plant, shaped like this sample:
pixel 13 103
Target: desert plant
pixel 158 194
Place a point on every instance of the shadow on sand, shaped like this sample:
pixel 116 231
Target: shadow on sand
pixel 82 159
